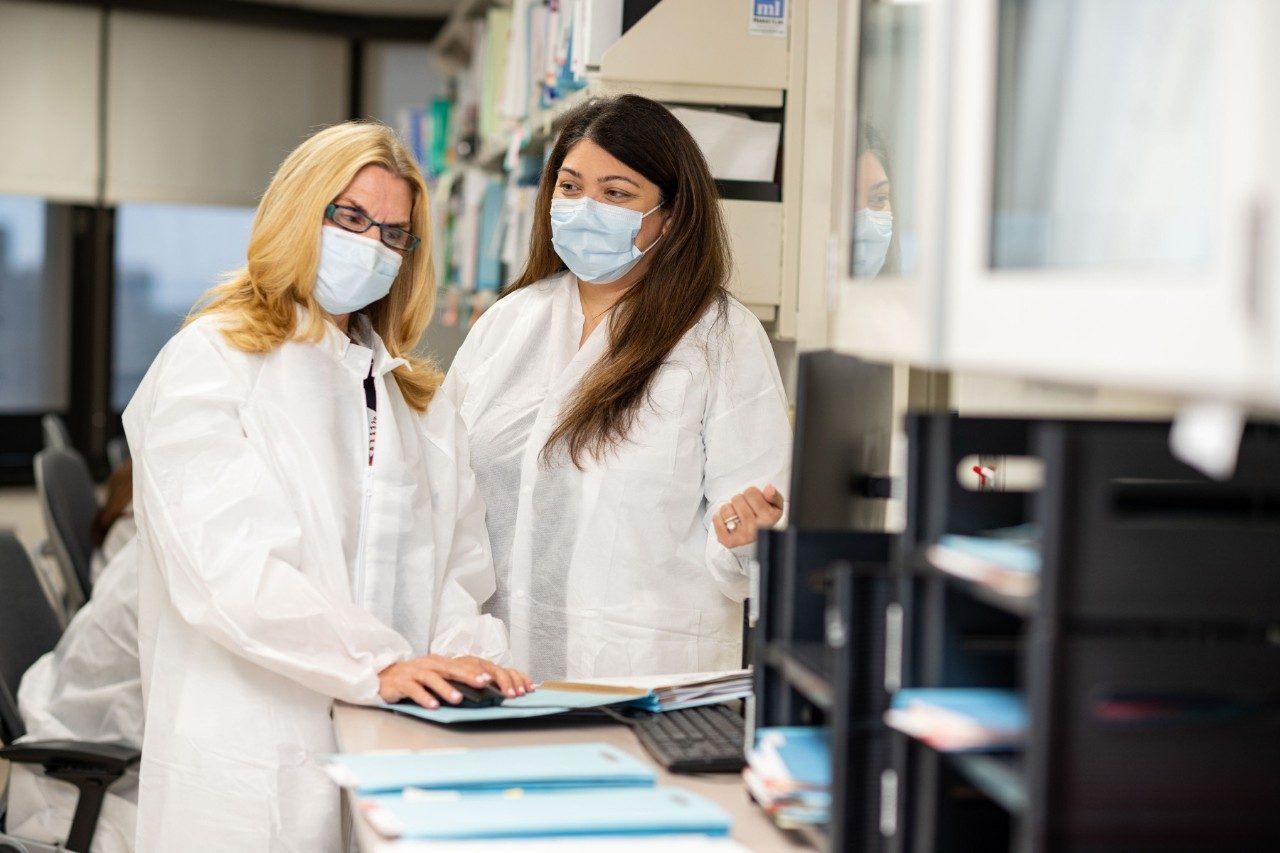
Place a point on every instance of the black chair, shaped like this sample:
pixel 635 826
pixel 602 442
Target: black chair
pixel 69 503
pixel 56 435
pixel 28 629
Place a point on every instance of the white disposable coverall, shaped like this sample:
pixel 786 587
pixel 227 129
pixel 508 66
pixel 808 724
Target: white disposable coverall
pixel 87 688
pixel 616 569
pixel 278 571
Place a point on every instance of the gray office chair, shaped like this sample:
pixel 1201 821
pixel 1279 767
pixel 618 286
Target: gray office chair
pixel 117 452
pixel 28 629
pixel 69 503
pixel 56 436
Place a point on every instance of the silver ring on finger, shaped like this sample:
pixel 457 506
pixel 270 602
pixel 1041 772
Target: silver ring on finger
pixel 731 523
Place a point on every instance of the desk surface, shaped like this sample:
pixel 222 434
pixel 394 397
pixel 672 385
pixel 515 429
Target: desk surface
pixel 361 729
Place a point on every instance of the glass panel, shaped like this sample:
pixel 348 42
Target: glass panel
pixel 33 327
pixel 1105 153
pixel 885 178
pixel 167 256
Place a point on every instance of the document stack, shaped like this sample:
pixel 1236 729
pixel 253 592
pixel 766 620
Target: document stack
pixel 569 790
pixel 789 774
pixel 671 692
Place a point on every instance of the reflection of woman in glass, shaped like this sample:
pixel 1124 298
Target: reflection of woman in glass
pixel 875 245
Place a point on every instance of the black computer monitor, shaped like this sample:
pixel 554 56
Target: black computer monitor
pixel 844 425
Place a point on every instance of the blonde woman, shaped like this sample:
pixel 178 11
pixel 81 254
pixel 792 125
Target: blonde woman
pixel 309 527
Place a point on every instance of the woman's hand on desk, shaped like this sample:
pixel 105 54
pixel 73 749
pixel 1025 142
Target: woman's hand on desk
pixel 512 682
pixel 739 520
pixel 425 679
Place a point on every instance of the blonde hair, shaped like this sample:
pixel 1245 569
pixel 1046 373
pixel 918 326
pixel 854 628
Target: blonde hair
pixel 261 298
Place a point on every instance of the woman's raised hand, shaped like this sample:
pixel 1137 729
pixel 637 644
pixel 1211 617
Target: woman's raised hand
pixel 746 513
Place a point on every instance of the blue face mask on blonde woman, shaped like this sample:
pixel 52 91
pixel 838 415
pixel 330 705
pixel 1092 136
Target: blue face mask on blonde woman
pixel 625 415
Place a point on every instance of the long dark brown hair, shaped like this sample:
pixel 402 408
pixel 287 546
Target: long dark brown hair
pixel 119 496
pixel 686 276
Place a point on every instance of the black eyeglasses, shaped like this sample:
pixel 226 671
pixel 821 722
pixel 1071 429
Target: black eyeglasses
pixel 357 222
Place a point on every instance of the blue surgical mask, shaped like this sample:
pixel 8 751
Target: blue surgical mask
pixel 872 233
pixel 597 242
pixel 355 271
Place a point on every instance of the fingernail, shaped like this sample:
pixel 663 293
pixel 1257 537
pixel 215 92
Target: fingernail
pixel 456 697
pixel 433 705
pixel 511 693
pixel 483 677
pixel 521 691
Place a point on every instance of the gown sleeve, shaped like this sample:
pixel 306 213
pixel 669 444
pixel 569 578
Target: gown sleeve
pixel 461 629
pixel 227 540
pixel 746 438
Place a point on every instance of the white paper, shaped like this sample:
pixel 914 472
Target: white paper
pixel 736 148
pixel 1206 436
pixel 660 682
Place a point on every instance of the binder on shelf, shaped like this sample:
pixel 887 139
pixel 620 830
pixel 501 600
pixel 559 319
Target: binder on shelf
pixel 1008 564
pixel 960 719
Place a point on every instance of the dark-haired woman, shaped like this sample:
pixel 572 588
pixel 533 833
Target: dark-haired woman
pixel 628 426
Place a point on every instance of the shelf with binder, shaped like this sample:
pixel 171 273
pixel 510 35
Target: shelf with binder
pixel 684 54
pixel 1134 660
pixel 1124 700
pixel 825 595
pixel 1018 605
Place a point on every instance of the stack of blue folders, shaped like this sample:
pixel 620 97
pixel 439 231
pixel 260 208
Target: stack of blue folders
pixel 789 774
pixel 521 792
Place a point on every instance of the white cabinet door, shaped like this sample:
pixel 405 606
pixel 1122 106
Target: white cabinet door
pixel 886 249
pixel 1104 205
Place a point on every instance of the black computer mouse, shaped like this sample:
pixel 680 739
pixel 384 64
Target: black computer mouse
pixel 476 697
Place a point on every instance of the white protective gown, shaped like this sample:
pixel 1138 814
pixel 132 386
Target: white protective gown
pixel 278 571
pixel 87 688
pixel 616 570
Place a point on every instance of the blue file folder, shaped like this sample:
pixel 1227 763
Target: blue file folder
pixel 581 765
pixel 632 811
pixel 543 702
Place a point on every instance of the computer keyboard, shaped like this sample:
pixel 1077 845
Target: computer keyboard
pixel 708 739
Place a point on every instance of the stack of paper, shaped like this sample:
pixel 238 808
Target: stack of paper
pixel 737 148
pixel 789 774
pixel 1005 561
pixel 672 692
pixel 961 719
